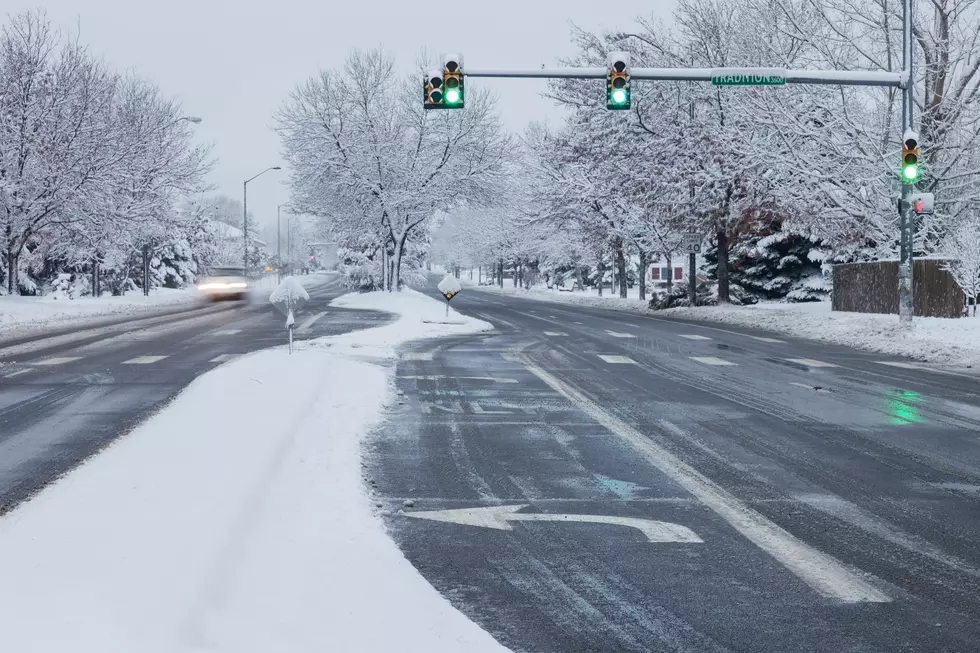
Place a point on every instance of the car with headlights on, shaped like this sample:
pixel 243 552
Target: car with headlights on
pixel 223 283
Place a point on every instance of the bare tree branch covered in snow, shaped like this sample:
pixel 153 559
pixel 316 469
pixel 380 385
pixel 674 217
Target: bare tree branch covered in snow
pixel 963 246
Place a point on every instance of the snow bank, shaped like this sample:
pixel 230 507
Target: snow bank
pixel 587 297
pixel 48 311
pixel 236 520
pixel 954 342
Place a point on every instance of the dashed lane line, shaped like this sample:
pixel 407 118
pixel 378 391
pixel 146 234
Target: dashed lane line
pixel 712 360
pixel 555 334
pixel 616 334
pixel 144 360
pixel 617 360
pixel 691 337
pixel 17 373
pixel 809 362
pixel 61 360
pixel 227 332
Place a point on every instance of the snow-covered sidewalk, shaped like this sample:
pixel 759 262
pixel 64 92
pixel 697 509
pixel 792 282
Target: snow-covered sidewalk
pixel 949 342
pixel 236 519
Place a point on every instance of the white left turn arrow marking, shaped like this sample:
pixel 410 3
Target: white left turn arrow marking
pixel 499 518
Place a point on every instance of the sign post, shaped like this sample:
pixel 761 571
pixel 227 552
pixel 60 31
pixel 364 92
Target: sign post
pixel 288 298
pixel 449 287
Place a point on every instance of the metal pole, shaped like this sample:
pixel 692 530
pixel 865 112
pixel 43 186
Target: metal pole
pixel 692 282
pixel 245 227
pixel 906 303
pixel 279 242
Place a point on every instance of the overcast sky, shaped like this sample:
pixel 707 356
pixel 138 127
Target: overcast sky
pixel 233 63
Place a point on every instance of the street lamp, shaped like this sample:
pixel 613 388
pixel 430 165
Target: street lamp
pixel 245 215
pixel 194 119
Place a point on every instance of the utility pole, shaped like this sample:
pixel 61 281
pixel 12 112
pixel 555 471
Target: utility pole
pixel 245 216
pixel 906 304
pixel 692 282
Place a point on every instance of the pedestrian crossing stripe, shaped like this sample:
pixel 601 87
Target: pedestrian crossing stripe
pixel 712 360
pixel 617 360
pixel 809 362
pixel 696 337
pixel 144 360
pixel 59 361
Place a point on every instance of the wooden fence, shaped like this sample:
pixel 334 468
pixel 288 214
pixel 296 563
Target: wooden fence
pixel 873 288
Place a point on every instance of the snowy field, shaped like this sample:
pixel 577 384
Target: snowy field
pixel 952 342
pixel 236 520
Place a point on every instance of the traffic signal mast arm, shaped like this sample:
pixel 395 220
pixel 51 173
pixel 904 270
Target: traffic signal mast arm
pixel 835 77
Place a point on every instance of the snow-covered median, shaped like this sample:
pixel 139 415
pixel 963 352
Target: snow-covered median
pixel 236 519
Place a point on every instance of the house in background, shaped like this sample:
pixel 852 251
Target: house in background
pixel 660 273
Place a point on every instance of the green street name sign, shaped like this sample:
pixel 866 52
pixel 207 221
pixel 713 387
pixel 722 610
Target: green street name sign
pixel 748 77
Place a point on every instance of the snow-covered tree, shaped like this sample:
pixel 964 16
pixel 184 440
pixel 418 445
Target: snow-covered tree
pixel 365 153
pixel 962 245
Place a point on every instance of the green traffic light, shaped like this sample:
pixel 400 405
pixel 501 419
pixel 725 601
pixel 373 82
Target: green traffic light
pixel 452 96
pixel 619 96
pixel 910 172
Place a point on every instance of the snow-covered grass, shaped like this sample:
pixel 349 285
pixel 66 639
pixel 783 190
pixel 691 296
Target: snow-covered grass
pixel 952 342
pixel 236 519
pixel 51 310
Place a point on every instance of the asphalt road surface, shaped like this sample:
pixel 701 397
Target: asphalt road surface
pixel 65 395
pixel 590 480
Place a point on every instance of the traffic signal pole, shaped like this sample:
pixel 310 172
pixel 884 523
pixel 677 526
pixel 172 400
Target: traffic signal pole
pixel 834 77
pixel 906 304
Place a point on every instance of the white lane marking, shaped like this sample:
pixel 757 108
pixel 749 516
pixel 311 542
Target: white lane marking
pixel 580 323
pixel 696 337
pixel 17 373
pixel 417 356
pixel 227 332
pixel 712 360
pixel 224 358
pixel 809 362
pixel 761 339
pixel 618 360
pixel 825 574
pixel 59 361
pixel 308 324
pixel 497 517
pixel 469 378
pixel 904 366
pixel 144 360
pixel 555 334
pixel 615 334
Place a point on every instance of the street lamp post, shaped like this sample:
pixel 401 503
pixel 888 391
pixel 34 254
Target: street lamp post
pixel 245 216
pixel 279 239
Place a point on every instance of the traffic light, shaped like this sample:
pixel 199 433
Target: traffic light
pixel 910 158
pixel 452 80
pixel 618 85
pixel 432 89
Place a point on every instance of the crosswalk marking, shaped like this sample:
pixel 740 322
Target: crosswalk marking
pixel 227 332
pixel 712 360
pixel 555 334
pixel 618 360
pixel 224 358
pixel 696 337
pixel 580 323
pixel 417 356
pixel 144 360
pixel 904 366
pixel 59 361
pixel 809 362
pixel 761 339
pixel 614 334
pixel 17 373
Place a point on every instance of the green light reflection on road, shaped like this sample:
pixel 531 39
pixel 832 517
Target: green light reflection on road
pixel 903 409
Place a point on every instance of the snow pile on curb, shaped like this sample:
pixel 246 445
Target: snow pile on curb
pixel 235 520
pixel 46 311
pixel 954 342
pixel 588 297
